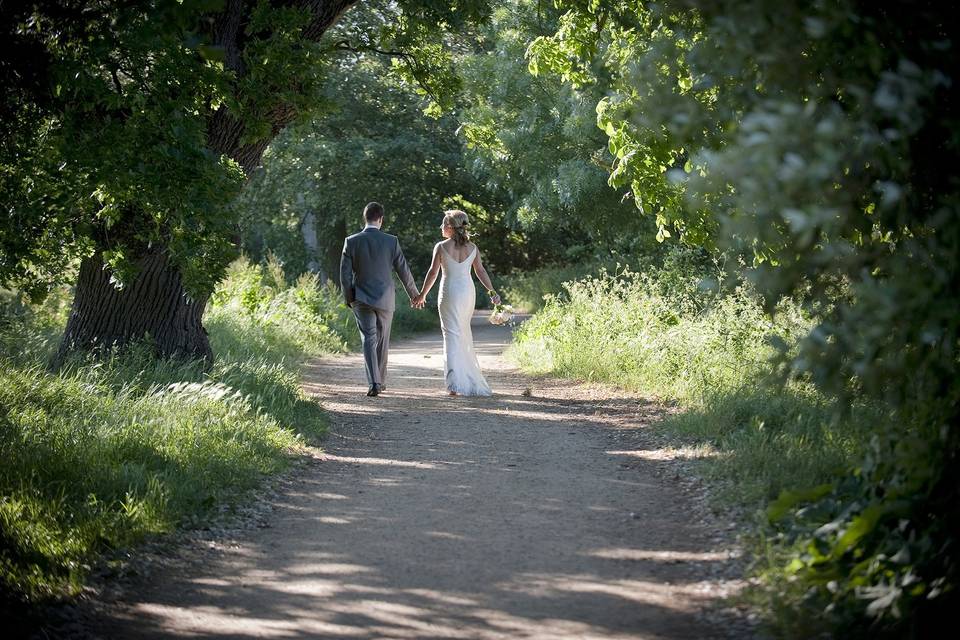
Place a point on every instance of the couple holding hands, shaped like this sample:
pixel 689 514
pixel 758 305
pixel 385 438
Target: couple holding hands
pixel 369 260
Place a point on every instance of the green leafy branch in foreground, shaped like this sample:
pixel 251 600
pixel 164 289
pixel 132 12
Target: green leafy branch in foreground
pixel 809 140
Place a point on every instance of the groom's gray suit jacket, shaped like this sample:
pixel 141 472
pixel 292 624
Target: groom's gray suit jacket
pixel 366 269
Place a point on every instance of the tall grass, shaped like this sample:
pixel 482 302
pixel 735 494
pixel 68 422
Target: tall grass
pixel 105 452
pixel 525 290
pixel 666 334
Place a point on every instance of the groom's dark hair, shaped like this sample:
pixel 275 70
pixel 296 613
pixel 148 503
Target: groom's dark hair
pixel 373 212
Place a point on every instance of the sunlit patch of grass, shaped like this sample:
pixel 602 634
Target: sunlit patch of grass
pixel 105 452
pixel 91 465
pixel 663 334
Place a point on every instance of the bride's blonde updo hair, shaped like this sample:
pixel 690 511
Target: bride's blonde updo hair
pixel 458 221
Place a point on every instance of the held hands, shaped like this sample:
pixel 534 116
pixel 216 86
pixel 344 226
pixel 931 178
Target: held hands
pixel 418 302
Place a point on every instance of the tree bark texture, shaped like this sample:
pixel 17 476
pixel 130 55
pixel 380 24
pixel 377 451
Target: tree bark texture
pixel 308 229
pixel 154 306
pixel 224 131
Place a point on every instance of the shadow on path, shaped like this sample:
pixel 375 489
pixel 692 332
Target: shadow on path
pixel 514 516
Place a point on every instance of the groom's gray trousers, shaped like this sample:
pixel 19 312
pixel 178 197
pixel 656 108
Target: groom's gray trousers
pixel 374 325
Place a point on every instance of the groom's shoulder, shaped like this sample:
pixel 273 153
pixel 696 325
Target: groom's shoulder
pixel 389 239
pixel 358 238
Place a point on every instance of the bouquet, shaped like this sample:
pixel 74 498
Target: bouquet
pixel 501 314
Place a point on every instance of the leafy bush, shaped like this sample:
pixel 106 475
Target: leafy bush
pixel 254 311
pixel 660 331
pixel 826 180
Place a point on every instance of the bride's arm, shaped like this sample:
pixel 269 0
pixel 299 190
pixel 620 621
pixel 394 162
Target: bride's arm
pixel 484 278
pixel 431 276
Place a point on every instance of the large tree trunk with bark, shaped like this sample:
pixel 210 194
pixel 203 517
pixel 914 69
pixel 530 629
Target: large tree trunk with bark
pixel 153 307
pixel 225 133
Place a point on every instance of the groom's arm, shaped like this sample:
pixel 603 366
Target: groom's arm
pixel 346 274
pixel 406 278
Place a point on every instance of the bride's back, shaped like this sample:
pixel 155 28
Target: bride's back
pixel 457 252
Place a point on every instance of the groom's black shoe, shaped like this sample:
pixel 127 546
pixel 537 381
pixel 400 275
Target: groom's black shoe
pixel 374 390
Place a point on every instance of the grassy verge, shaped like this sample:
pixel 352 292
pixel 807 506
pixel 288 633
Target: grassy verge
pixel 663 334
pixel 104 453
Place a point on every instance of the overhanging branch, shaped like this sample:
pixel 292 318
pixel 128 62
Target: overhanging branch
pixel 416 69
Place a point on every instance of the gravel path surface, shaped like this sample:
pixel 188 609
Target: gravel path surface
pixel 546 511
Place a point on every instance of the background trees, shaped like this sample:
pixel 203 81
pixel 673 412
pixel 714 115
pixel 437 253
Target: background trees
pixel 370 141
pixel 809 140
pixel 803 145
pixel 534 140
pixel 523 154
pixel 131 125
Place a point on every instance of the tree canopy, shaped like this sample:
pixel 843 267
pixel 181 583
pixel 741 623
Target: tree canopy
pixel 129 130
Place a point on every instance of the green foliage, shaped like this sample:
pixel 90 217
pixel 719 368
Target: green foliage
pixel 255 311
pixel 532 178
pixel 533 141
pixel 108 146
pixel 660 330
pixel 124 125
pixel 367 140
pixel 527 290
pixel 663 331
pixel 106 452
pixel 809 140
pixel 422 59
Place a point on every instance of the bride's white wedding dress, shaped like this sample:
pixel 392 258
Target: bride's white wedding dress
pixel 458 298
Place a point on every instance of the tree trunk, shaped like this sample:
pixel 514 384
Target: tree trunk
pixel 308 229
pixel 155 304
pixel 334 248
pixel 154 307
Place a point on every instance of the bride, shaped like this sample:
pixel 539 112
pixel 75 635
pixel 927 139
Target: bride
pixel 458 297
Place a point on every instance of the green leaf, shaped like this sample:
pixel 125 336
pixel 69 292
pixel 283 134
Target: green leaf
pixel 789 499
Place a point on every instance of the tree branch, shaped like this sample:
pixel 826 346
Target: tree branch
pixel 116 81
pixel 344 45
pixel 228 30
pixel 408 59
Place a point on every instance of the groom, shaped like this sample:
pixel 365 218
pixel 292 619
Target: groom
pixel 366 279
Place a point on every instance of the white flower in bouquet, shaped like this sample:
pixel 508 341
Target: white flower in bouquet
pixel 501 314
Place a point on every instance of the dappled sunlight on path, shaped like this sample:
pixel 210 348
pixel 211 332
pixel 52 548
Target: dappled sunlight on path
pixel 514 516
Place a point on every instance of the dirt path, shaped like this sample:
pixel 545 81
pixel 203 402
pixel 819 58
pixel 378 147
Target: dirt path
pixel 516 516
